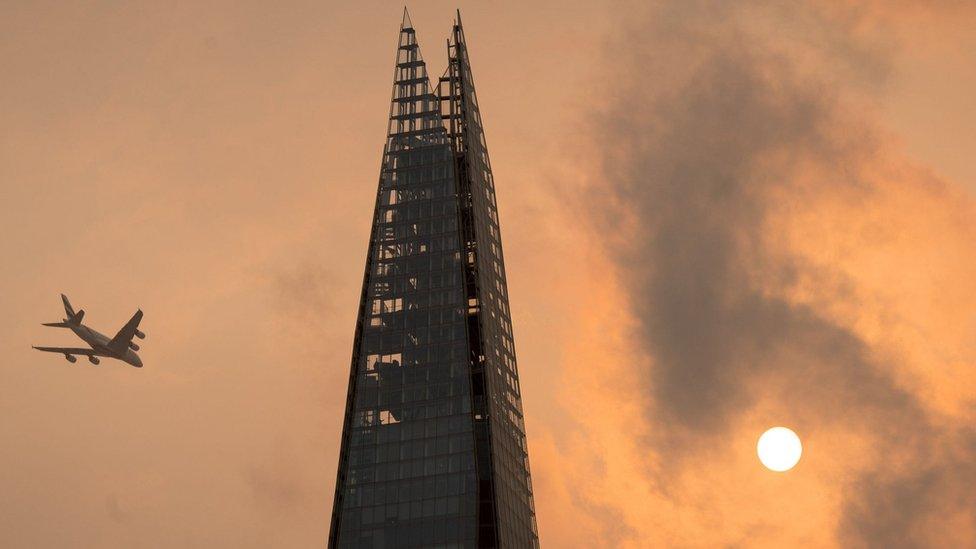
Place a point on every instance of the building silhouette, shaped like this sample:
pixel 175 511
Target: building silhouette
pixel 433 449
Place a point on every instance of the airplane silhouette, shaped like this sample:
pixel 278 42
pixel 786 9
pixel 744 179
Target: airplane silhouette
pixel 119 347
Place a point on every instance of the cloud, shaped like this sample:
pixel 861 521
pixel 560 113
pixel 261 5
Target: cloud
pixel 698 167
pixel 721 133
pixel 305 292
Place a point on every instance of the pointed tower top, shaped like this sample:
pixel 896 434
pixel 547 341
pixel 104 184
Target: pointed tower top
pixel 406 23
pixel 458 32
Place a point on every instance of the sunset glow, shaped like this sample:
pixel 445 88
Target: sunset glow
pixel 717 217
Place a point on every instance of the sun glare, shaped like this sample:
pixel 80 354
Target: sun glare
pixel 779 449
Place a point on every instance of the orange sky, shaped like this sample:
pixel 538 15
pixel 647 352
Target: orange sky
pixel 715 218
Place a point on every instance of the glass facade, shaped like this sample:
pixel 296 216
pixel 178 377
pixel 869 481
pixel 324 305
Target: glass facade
pixel 433 448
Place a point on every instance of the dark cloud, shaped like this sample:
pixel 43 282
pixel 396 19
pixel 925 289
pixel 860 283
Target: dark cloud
pixel 304 292
pixel 896 508
pixel 697 167
pixel 712 118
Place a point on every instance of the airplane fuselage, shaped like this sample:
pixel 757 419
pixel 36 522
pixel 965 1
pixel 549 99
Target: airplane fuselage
pixel 99 342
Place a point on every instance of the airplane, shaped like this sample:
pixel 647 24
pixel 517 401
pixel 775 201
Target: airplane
pixel 121 347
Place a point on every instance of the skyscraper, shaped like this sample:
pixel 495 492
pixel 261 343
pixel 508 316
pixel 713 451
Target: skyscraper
pixel 433 447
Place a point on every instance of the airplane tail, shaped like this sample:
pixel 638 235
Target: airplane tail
pixel 73 319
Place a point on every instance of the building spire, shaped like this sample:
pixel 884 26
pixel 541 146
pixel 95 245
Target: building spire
pixel 414 113
pixel 406 23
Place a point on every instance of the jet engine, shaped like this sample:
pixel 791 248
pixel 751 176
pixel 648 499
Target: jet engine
pixel 140 335
pixel 71 358
pixel 133 346
pixel 93 360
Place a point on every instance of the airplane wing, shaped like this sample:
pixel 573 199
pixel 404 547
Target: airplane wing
pixel 69 351
pixel 121 340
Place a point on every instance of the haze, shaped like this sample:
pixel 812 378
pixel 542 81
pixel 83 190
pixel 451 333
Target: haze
pixel 716 218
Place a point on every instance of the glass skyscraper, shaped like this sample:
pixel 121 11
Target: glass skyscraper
pixel 433 449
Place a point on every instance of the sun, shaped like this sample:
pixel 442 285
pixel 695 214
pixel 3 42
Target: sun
pixel 779 449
